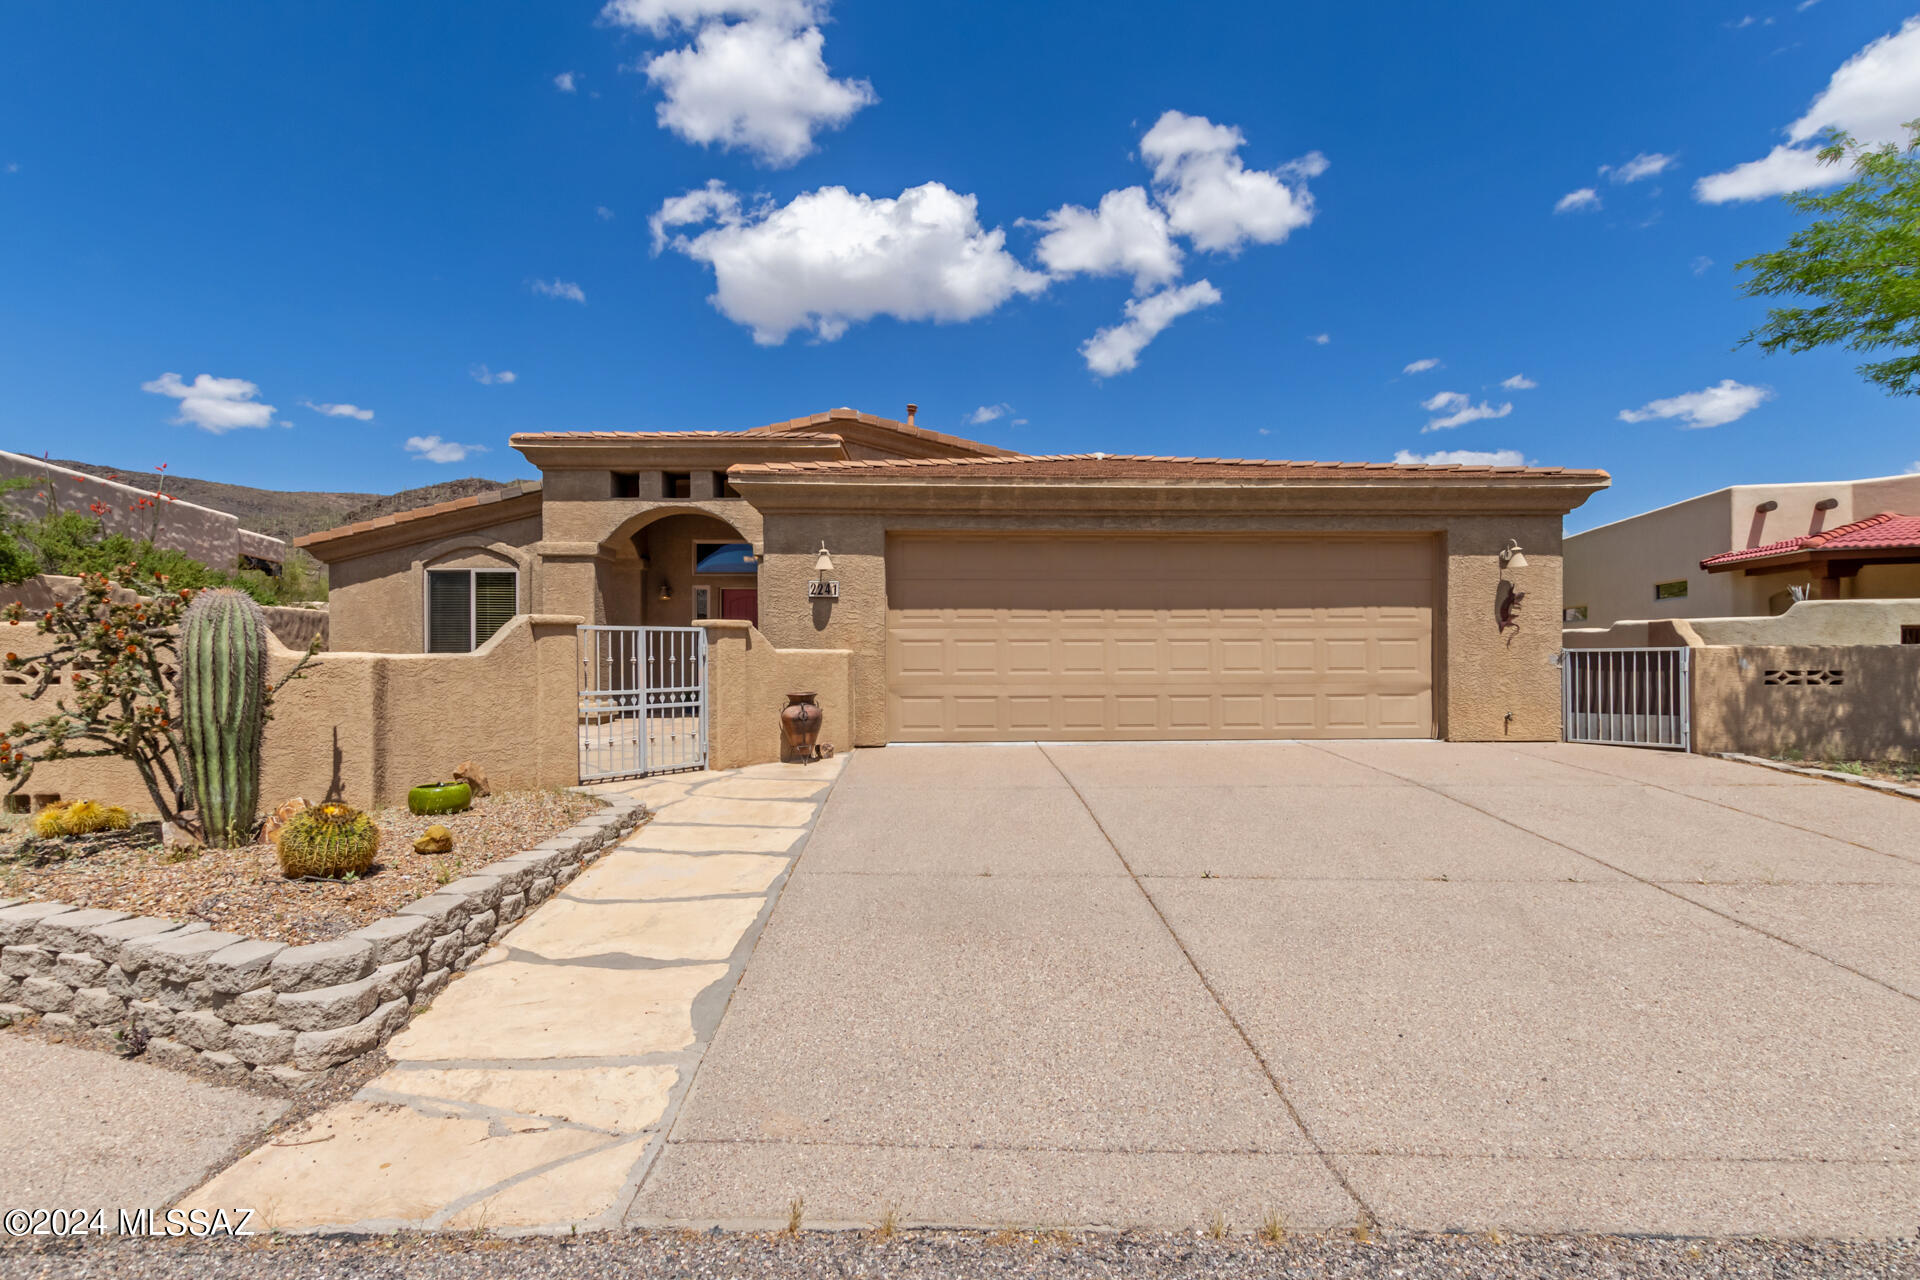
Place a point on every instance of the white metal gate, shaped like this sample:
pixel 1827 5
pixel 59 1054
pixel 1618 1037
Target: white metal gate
pixel 643 701
pixel 1627 697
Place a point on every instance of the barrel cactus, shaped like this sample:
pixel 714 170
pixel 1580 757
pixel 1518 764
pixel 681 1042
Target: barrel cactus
pixel 223 698
pixel 328 840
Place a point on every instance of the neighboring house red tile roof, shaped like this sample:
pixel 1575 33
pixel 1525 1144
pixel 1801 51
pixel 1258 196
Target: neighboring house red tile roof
pixel 1120 466
pixel 1887 531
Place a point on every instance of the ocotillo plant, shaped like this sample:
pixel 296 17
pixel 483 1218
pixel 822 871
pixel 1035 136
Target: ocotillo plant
pixel 223 699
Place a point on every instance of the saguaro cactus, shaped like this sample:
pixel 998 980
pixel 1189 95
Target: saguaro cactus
pixel 223 695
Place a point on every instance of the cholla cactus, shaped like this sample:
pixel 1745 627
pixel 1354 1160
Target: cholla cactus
pixel 223 703
pixel 328 840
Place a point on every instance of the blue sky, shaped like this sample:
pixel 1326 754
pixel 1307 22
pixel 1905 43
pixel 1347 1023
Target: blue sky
pixel 387 207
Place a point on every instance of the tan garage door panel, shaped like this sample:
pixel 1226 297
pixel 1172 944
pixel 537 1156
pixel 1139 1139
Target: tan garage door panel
pixel 993 639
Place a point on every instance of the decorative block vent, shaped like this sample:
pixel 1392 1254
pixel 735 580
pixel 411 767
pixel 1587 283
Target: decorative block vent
pixel 1807 677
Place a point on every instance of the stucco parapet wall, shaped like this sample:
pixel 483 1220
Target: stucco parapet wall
pixel 241 1006
pixel 882 494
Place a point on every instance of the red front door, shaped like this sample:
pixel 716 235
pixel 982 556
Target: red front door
pixel 742 605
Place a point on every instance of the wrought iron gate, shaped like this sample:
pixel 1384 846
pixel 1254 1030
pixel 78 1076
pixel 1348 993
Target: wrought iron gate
pixel 1627 697
pixel 643 701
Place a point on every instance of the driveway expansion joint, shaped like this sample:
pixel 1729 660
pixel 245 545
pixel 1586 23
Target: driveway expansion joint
pixel 1293 1112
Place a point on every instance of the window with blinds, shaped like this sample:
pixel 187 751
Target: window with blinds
pixel 465 607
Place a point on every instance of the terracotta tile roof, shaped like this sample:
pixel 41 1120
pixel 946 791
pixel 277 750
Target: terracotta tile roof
pixel 631 435
pixel 518 489
pixel 817 426
pixel 1120 466
pixel 1883 532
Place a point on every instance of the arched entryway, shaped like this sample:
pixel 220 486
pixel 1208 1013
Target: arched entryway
pixel 678 568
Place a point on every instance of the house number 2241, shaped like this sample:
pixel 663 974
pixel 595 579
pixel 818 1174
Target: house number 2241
pixel 827 590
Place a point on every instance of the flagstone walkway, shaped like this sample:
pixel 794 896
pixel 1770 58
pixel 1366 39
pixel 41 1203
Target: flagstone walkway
pixel 535 1092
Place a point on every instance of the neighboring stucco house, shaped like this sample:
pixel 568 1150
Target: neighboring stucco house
pixel 1743 551
pixel 978 594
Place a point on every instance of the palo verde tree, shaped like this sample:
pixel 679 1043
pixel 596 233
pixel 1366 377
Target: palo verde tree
pixel 1859 261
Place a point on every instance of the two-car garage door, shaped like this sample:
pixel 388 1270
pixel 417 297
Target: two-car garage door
pixel 1061 638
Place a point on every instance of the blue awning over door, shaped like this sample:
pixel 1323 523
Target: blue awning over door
pixel 726 557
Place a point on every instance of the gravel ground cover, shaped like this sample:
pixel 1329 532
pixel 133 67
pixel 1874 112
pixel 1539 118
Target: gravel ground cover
pixel 242 891
pixel 1014 1255
pixel 1899 772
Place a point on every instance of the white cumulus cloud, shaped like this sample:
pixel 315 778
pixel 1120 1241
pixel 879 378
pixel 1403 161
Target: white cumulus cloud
pixel 214 404
pixel 560 289
pixel 1212 198
pixel 1117 349
pixel 662 17
pixel 759 85
pixel 988 413
pixel 1422 366
pixel 1713 406
pixel 1462 458
pixel 434 449
pixel 487 377
pixel 1519 382
pixel 1457 409
pixel 1320 339
pixel 340 410
pixel 1126 235
pixel 1585 200
pixel 832 258
pixel 564 82
pixel 1645 165
pixel 1872 94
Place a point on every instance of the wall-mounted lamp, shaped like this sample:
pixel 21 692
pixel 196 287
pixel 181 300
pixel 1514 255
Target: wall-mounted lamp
pixel 1512 557
pixel 666 589
pixel 825 563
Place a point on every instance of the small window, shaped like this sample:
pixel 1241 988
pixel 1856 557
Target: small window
pixel 1574 613
pixel 465 607
pixel 1670 590
pixel 626 484
pixel 702 603
pixel 723 557
pixel 1910 635
pixel 722 487
pixel 676 484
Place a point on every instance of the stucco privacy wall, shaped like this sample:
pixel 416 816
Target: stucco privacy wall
pixel 1482 676
pixel 209 536
pixel 296 627
pixel 364 727
pixel 1808 622
pixel 1872 712
pixel 748 681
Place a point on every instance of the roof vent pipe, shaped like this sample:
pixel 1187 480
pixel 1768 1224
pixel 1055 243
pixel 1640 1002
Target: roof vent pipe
pixel 911 410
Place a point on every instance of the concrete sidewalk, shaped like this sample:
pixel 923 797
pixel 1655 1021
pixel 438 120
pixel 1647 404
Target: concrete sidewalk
pixel 1539 988
pixel 533 1094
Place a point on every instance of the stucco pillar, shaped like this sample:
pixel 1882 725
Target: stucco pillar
pixel 1495 684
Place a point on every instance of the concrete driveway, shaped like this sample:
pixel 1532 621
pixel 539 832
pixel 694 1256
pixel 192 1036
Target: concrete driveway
pixel 1435 986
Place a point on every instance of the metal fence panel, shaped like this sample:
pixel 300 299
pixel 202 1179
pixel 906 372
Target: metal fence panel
pixel 1627 697
pixel 643 701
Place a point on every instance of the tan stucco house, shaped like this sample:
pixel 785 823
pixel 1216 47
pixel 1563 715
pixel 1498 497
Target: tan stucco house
pixel 933 588
pixel 1749 551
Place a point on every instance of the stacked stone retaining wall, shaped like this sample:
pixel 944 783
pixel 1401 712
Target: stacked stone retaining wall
pixel 244 1008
